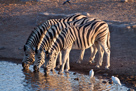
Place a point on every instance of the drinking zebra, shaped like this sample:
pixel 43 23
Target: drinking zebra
pixel 34 37
pixel 51 36
pixel 47 39
pixel 79 37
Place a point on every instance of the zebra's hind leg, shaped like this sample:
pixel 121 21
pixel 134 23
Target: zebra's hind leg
pixel 93 50
pixel 107 51
pixel 60 60
pixel 100 58
pixel 81 56
pixel 66 55
pixel 67 65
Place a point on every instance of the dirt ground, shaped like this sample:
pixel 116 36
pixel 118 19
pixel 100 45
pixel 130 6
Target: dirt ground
pixel 17 20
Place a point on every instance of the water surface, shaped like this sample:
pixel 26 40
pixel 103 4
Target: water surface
pixel 13 78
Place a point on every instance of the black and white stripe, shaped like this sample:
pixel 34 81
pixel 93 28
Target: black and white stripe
pixel 47 39
pixel 35 36
pixel 80 37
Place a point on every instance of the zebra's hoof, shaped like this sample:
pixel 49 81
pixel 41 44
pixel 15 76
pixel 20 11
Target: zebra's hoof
pixel 58 66
pixel 53 71
pixel 61 73
pixel 66 71
pixel 78 62
pixel 106 68
pixel 46 74
pixel 92 61
pixel 97 66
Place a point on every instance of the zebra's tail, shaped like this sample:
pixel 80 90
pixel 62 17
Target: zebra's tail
pixel 108 40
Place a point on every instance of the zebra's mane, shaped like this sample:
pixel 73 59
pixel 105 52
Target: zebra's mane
pixel 35 35
pixel 44 37
pixel 41 41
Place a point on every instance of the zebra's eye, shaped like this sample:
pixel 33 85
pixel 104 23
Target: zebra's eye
pixel 50 60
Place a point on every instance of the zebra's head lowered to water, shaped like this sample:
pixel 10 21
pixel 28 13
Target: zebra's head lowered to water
pixel 39 59
pixel 44 57
pixel 29 57
pixel 50 62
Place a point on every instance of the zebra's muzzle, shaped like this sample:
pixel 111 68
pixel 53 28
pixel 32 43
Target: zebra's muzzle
pixel 46 70
pixel 35 68
pixel 25 66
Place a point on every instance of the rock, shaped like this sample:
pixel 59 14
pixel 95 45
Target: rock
pixel 76 79
pixel 20 48
pixel 100 77
pixel 104 82
pixel 2 48
pixel 131 89
pixel 134 26
pixel 105 74
pixel 130 0
pixel 135 85
pixel 124 0
pixel 131 77
pixel 74 73
pixel 128 79
pixel 128 27
pixel 127 0
pixel 110 82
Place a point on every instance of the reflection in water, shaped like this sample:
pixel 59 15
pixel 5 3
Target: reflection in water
pixel 51 82
pixel 13 78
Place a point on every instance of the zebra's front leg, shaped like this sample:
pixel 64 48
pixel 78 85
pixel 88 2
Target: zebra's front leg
pixel 54 64
pixel 81 56
pixel 66 55
pixel 60 61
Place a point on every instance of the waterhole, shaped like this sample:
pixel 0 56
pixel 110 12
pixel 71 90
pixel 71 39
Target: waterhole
pixel 13 78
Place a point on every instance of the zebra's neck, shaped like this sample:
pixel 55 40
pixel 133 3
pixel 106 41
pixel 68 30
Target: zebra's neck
pixel 63 41
pixel 34 37
pixel 50 36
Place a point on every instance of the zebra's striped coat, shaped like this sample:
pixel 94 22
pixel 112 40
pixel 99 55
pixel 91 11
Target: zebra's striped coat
pixel 80 37
pixel 49 37
pixel 33 39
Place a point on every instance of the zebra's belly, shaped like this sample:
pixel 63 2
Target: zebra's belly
pixel 79 47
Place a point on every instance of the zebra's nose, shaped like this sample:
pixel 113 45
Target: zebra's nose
pixel 45 69
pixel 35 68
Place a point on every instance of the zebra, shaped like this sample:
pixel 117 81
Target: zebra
pixel 34 37
pixel 50 36
pixel 79 37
